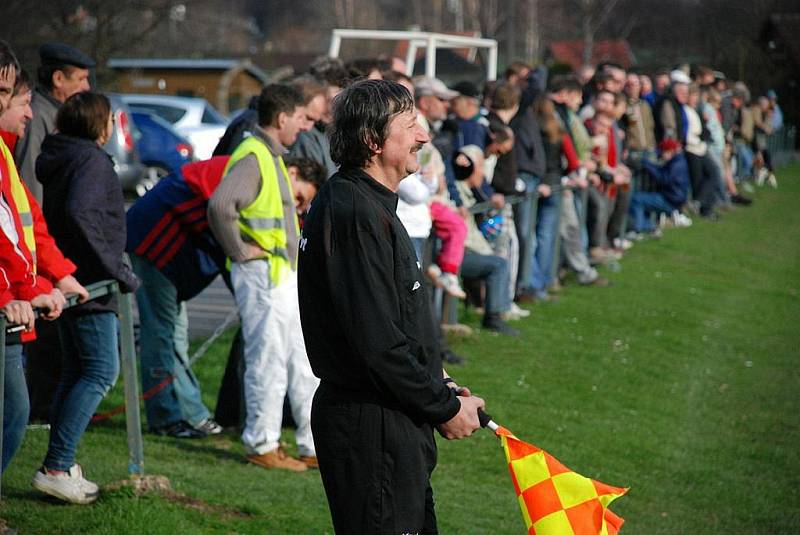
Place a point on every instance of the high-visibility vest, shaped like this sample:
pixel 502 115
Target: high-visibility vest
pixel 20 200
pixel 262 221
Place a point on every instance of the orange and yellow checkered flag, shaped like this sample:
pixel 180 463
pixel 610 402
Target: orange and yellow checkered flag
pixel 554 499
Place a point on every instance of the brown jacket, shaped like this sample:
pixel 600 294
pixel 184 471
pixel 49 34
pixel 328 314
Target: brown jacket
pixel 639 126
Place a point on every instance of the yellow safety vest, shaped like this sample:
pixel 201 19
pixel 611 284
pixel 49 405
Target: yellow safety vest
pixel 262 221
pixel 20 199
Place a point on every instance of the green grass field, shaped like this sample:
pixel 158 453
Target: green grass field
pixel 681 381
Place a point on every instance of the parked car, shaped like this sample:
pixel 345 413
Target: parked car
pixel 122 145
pixel 194 118
pixel 161 149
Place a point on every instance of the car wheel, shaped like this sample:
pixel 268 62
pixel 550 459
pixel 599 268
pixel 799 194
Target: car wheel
pixel 152 174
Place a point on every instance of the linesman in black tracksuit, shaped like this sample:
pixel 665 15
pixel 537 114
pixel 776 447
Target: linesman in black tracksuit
pixel 367 326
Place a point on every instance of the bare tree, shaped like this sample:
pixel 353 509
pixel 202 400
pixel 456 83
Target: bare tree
pixel 593 14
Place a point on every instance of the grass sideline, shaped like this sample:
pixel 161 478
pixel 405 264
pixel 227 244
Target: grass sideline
pixel 680 381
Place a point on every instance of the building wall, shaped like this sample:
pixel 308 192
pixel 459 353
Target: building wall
pixel 191 83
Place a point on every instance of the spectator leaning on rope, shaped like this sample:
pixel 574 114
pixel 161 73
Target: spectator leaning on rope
pixel 175 255
pixel 30 266
pixel 84 206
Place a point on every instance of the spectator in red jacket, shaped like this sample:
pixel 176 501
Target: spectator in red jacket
pixel 30 264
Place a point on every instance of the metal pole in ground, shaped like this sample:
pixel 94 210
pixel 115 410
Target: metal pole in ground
pixel 133 419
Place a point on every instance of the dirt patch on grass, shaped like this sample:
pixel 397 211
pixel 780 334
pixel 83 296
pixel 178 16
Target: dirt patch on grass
pixel 162 486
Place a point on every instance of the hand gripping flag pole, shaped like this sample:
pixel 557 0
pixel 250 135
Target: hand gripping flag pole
pixel 555 500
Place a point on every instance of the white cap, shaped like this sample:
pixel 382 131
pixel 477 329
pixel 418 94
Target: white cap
pixel 679 77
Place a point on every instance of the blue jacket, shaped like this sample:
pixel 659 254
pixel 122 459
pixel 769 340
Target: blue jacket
pixel 672 179
pixel 85 213
pixel 169 228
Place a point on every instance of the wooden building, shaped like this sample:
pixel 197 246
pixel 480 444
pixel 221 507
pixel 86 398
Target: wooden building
pixel 228 84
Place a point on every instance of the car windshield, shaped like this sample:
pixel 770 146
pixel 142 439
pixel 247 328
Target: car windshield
pixel 211 116
pixel 172 114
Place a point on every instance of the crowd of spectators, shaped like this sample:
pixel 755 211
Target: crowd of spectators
pixel 528 184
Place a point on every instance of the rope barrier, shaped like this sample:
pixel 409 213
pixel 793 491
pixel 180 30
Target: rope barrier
pixel 150 392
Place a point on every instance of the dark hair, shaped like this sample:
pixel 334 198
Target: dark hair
pixel 500 133
pixel 396 76
pixel 7 56
pixel 600 78
pixel 84 115
pixel 46 71
pixel 308 170
pixel 331 71
pixel 565 82
pixel 515 68
pixel 23 81
pixel 361 67
pixel 276 99
pixel 505 96
pixel 308 86
pixel 361 117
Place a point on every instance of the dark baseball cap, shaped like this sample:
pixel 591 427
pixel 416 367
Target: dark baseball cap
pixel 59 54
pixel 468 89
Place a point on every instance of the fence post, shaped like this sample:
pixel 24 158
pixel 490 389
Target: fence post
pixel 133 419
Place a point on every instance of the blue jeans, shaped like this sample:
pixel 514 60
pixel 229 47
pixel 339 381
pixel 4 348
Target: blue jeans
pixel 165 351
pixel 16 406
pixel 89 368
pixel 524 213
pixel 744 161
pixel 419 247
pixel 643 203
pixel 493 270
pixel 547 217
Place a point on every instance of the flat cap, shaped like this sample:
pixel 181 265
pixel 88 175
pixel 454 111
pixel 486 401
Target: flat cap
pixel 468 89
pixel 59 53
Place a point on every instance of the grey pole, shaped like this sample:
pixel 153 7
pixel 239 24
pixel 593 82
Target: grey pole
pixel 133 417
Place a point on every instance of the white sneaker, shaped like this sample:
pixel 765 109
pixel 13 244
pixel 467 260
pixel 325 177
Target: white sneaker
pixel 761 177
pixel 622 243
pixel 69 486
pixel 772 181
pixel 450 284
pixel 680 220
pixel 514 313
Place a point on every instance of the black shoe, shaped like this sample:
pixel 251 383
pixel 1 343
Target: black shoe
pixel 710 215
pixel 493 322
pixel 739 199
pixel 179 430
pixel 451 358
pixel 525 296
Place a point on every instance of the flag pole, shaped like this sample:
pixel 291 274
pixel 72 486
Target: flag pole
pixel 486 421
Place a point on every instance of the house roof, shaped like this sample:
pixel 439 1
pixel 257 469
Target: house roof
pixel 188 64
pixel 571 52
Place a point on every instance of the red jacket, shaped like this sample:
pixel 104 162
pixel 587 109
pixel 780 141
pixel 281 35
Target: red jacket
pixel 18 280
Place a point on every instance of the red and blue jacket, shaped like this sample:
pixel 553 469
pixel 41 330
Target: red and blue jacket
pixel 168 226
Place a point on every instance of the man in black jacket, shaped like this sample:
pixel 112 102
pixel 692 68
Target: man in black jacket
pixel 367 326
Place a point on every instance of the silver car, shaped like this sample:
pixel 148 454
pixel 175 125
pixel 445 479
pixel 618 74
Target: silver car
pixel 122 145
pixel 193 118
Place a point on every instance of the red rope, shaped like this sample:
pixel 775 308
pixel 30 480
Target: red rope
pixel 100 416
